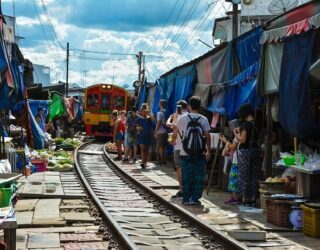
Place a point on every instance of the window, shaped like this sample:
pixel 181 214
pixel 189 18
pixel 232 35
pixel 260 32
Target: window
pixel 118 102
pixel 92 100
pixel 105 102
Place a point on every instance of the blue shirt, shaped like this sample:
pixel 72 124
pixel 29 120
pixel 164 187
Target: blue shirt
pixel 147 127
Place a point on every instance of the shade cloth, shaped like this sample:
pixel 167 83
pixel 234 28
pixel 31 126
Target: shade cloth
pixel 294 94
pixel 56 107
pixel 248 47
pixel 269 70
pixel 242 89
pixel 219 67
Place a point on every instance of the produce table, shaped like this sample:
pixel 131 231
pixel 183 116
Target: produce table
pixel 308 181
pixel 9 226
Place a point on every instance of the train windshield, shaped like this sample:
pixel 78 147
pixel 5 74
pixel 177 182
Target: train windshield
pixel 118 102
pixel 92 101
pixel 105 102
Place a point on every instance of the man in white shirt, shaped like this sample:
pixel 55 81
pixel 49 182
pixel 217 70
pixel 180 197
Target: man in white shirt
pixel 182 108
pixel 193 166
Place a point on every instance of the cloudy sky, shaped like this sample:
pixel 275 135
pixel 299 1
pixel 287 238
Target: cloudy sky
pixel 105 35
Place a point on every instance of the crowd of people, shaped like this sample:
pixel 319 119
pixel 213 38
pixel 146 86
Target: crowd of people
pixel 189 133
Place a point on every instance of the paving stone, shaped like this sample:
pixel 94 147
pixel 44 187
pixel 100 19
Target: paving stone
pixel 87 246
pixel 77 217
pixel 45 240
pixel 24 218
pixel 79 237
pixel 25 205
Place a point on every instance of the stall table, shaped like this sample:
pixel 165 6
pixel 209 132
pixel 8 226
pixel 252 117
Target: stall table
pixel 9 226
pixel 308 182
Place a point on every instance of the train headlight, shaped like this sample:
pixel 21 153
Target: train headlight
pixel 104 86
pixel 108 86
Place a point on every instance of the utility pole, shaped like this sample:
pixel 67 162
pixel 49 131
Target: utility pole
pixel 235 17
pixel 234 20
pixel 67 71
pixel 140 61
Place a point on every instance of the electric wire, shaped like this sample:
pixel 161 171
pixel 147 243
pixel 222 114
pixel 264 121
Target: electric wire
pixel 165 24
pixel 175 22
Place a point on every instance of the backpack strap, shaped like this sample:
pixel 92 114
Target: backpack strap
pixel 194 119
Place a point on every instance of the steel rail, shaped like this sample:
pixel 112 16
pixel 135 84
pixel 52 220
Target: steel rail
pixel 228 242
pixel 119 236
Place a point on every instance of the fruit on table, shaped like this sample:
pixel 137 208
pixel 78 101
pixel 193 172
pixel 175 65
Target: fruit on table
pixel 275 179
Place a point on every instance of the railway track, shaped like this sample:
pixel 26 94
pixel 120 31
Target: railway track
pixel 136 217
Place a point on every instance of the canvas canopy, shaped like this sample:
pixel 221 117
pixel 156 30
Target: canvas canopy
pixel 56 107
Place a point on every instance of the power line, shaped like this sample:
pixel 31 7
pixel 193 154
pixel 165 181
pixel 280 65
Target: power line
pixel 188 17
pixel 45 9
pixel 199 25
pixel 42 28
pixel 165 24
pixel 175 22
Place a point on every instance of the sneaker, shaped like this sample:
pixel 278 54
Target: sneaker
pixel 186 203
pixel 236 202
pixel 125 159
pixel 142 166
pixel 195 203
pixel 134 160
pixel 230 201
pixel 177 195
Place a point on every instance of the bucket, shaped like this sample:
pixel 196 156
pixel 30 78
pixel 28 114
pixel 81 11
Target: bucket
pixel 5 196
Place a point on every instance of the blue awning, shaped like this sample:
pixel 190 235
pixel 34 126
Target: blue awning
pixel 240 90
pixel 248 47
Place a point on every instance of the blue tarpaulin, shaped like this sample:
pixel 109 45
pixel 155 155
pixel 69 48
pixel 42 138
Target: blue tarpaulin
pixel 216 105
pixel 248 47
pixel 4 96
pixel 240 90
pixel 37 133
pixel 294 90
pixel 17 72
pixel 142 95
pixel 35 104
pixel 157 97
pixel 183 87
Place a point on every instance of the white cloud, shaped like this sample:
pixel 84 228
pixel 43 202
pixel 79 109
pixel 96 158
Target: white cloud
pixel 26 21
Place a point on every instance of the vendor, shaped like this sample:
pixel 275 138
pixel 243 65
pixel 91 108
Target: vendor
pixel 40 119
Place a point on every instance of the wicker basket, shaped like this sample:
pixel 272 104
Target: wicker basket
pixel 278 212
pixel 271 186
pixel 263 197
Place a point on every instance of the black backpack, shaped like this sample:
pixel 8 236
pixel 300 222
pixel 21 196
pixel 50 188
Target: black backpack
pixel 194 142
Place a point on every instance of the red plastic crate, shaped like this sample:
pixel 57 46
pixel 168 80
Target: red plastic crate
pixel 278 212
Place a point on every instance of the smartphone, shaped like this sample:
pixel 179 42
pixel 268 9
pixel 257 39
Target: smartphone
pixel 179 109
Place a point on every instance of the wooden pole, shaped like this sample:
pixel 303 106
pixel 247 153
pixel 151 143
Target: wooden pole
pixel 267 161
pixel 216 156
pixel 295 141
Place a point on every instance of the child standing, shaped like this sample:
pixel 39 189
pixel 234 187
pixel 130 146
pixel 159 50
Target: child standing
pixel 231 149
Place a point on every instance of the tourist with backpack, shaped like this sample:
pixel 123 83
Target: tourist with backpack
pixel 195 131
pixel 160 132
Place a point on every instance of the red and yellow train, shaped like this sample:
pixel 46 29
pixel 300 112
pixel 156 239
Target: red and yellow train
pixel 100 101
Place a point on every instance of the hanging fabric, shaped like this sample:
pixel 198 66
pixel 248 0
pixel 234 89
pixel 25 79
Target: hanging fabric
pixel 248 47
pixel 294 91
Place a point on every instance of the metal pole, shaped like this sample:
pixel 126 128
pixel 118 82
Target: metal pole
pixel 235 31
pixel 204 43
pixel 67 71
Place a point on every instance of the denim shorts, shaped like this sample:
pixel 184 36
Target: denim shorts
pixel 120 136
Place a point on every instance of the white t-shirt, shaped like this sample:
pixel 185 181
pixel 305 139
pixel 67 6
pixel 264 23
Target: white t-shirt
pixel 161 117
pixel 182 124
pixel 178 145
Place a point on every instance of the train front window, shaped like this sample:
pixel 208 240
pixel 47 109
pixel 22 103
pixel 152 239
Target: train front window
pixel 105 102
pixel 118 102
pixel 92 101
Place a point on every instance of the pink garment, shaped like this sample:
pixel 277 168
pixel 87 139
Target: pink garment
pixel 215 120
pixel 298 28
